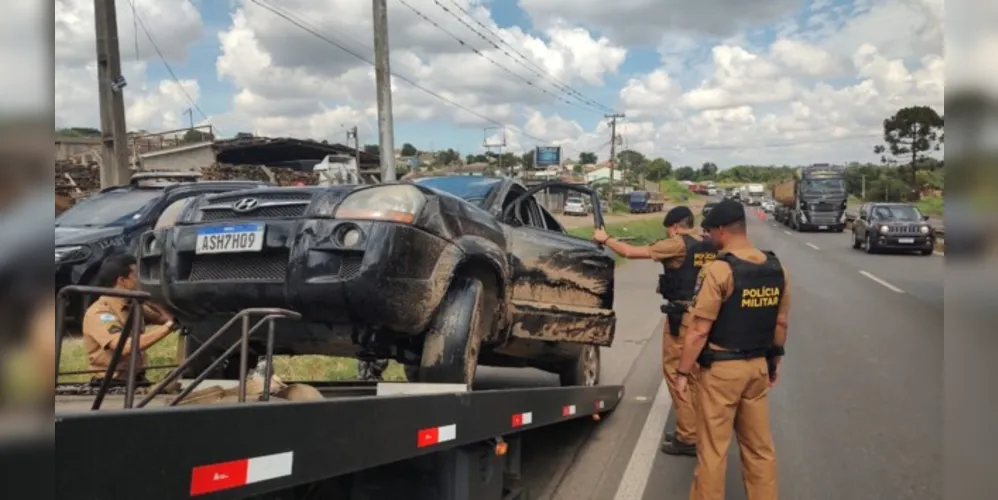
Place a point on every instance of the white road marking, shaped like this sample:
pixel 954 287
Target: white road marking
pixel 812 245
pixel 882 282
pixel 788 232
pixel 635 480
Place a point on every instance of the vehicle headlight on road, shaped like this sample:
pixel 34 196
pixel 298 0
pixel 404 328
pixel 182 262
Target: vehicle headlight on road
pixel 884 229
pixel 924 229
pixel 398 203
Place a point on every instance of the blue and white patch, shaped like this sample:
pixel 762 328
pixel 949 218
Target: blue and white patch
pixel 107 318
pixel 699 283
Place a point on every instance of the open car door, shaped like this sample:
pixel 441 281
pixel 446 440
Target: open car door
pixel 562 284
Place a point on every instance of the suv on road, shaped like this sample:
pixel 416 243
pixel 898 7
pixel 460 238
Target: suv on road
pixel 443 273
pixel 892 226
pixel 110 222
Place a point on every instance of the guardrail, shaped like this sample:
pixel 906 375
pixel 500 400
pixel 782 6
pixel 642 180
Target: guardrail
pixel 940 230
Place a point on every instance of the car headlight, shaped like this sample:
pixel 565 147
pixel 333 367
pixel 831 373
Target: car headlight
pixel 884 229
pixel 397 202
pixel 71 253
pixel 924 229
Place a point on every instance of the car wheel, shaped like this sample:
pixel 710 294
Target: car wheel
pixel 451 345
pixel 584 370
pixel 927 251
pixel 856 242
pixel 870 248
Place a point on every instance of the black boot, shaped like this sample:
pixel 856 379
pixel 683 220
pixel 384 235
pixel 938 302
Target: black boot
pixel 677 447
pixel 669 437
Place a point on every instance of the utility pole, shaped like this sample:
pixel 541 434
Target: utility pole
pixel 501 132
pixel 613 152
pixel 863 191
pixel 352 134
pixel 383 81
pixel 114 158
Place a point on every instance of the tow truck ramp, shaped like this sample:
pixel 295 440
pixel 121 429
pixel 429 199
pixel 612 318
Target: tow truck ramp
pixel 361 441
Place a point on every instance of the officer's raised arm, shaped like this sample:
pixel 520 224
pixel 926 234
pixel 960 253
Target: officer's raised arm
pixel 659 251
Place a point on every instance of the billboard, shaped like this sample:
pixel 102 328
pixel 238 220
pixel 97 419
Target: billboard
pixel 546 156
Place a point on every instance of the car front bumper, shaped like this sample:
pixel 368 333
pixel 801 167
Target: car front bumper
pixel 905 241
pixel 393 277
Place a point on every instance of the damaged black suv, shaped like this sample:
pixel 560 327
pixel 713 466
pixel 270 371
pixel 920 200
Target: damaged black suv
pixel 441 273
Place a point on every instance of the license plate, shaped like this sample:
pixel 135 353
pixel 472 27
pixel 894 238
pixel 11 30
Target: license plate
pixel 230 239
pixel 822 227
pixel 906 240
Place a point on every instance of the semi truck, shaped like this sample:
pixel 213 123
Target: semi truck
pixel 645 202
pixel 754 194
pixel 814 198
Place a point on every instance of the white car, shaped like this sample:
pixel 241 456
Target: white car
pixel 768 206
pixel 575 206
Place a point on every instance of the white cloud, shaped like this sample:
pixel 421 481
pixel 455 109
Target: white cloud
pixel 174 24
pixel 275 61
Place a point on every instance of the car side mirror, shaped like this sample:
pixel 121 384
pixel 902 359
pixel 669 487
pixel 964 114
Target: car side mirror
pixel 925 218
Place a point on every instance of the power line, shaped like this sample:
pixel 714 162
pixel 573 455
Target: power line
pixel 169 68
pixel 482 54
pixel 303 26
pixel 542 73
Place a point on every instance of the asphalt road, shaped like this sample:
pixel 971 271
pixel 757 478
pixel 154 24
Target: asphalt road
pixel 857 413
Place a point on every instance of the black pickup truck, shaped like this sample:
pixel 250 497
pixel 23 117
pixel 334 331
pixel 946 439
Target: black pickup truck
pixel 441 273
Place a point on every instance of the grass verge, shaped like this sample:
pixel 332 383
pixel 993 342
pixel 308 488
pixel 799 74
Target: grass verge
pixel 675 191
pixel 74 358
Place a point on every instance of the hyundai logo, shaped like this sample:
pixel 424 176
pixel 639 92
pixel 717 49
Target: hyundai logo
pixel 246 205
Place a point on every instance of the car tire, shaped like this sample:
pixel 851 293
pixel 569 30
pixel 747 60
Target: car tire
pixel 870 247
pixel 451 345
pixel 583 370
pixel 927 251
pixel 856 242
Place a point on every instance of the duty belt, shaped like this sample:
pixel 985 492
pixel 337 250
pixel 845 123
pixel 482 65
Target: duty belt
pixel 675 307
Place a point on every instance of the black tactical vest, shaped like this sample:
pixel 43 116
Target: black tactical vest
pixel 678 283
pixel 747 319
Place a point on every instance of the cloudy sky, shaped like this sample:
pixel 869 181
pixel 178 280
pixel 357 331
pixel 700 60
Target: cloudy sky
pixel 728 81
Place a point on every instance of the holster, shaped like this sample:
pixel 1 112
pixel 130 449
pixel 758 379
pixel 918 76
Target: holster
pixel 674 312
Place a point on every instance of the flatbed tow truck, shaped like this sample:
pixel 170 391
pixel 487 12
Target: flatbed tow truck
pixel 362 440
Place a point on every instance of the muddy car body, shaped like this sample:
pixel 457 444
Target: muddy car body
pixel 440 273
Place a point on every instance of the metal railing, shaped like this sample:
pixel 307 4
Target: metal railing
pixel 134 325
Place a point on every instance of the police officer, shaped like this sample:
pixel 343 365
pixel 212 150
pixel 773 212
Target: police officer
pixel 103 323
pixel 735 331
pixel 682 255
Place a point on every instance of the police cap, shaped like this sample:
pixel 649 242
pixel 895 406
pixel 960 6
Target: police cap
pixel 724 213
pixel 677 215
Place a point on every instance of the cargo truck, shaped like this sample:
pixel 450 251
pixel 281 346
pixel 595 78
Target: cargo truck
pixel 645 202
pixel 814 198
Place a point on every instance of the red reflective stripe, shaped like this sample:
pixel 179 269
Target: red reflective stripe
pixel 218 477
pixel 428 437
pixel 517 420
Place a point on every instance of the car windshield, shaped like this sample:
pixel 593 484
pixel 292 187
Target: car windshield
pixel 901 213
pixel 823 186
pixel 574 201
pixel 639 196
pixel 471 188
pixel 114 208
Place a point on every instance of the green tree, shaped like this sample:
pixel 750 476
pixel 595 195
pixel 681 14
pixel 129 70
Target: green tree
pixel 78 132
pixel 527 160
pixel 587 158
pixel 244 135
pixel 658 169
pixel 578 169
pixel 447 157
pixel 372 149
pixel 708 171
pixel 686 173
pixel 409 150
pixel 194 135
pixel 909 135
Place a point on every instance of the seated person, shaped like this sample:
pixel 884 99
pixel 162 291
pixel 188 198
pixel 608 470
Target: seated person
pixel 104 322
